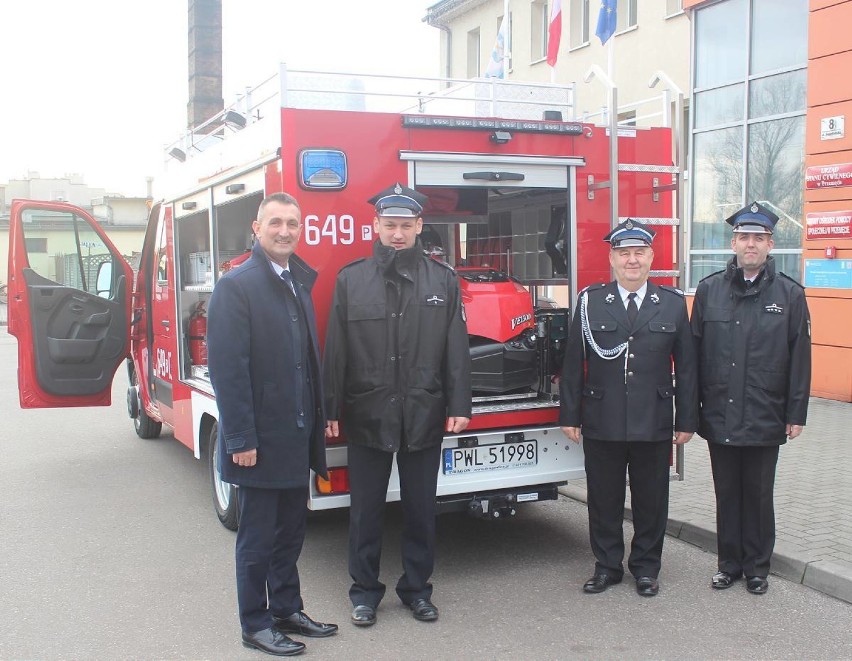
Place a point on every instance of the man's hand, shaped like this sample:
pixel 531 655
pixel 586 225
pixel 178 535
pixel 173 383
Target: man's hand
pixel 794 430
pixel 457 425
pixel 247 458
pixel 682 437
pixel 332 429
pixel 573 433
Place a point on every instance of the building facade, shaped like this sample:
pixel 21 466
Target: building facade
pixel 768 123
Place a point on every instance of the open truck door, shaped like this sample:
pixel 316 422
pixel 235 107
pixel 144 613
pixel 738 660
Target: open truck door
pixel 69 305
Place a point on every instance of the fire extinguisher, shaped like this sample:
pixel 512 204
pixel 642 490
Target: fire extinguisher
pixel 198 335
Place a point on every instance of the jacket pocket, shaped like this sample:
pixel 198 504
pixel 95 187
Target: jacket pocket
pixel 366 312
pixel 716 314
pixel 662 326
pixel 602 326
pixel 594 392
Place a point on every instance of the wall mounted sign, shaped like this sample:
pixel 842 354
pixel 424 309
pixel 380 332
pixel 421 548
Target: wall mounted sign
pixel 828 273
pixel 832 128
pixel 828 176
pixel 829 225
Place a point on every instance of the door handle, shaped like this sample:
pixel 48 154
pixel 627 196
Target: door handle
pixel 165 322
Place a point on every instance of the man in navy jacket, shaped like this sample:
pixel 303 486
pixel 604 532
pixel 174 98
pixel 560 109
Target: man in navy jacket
pixel 264 367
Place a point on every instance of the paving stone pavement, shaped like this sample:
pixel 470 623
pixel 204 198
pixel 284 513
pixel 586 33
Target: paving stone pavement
pixel 813 501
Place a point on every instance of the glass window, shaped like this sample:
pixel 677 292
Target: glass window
pixel 626 15
pixel 578 23
pixel 674 7
pixel 717 192
pixel 720 43
pixel 775 174
pixel 719 106
pixel 778 39
pixel 473 54
pixel 776 95
pixel 538 29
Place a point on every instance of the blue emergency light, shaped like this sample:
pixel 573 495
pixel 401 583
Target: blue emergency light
pixel 322 169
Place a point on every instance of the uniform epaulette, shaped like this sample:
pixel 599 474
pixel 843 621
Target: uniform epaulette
pixel 793 280
pixel 597 285
pixel 444 264
pixel 673 290
pixel 357 261
pixel 712 274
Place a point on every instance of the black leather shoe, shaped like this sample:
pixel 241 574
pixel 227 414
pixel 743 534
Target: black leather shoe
pixel 423 610
pixel 363 616
pixel 300 623
pixel 757 584
pixel 647 586
pixel 723 580
pixel 599 583
pixel 272 642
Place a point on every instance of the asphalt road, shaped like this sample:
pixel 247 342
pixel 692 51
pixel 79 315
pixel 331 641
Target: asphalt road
pixel 110 550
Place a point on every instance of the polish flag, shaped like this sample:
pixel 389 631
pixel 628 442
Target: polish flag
pixel 554 32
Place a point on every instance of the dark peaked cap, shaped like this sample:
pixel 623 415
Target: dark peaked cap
pixel 630 234
pixel 399 201
pixel 754 218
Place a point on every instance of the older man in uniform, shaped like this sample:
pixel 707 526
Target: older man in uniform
pixel 752 330
pixel 617 389
pixel 397 367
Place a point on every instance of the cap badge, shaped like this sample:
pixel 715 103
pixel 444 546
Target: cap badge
pixel 755 208
pixel 610 298
pixel 398 190
pixel 628 224
pixel 655 298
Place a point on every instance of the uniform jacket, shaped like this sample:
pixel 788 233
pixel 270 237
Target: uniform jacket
pixel 754 351
pixel 397 359
pixel 255 356
pixel 616 401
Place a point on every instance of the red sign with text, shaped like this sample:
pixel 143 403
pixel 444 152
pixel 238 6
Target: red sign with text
pixel 828 176
pixel 829 225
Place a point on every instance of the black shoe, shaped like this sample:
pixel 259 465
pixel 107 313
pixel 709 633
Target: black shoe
pixel 757 584
pixel 299 623
pixel 647 586
pixel 363 615
pixel 723 580
pixel 599 583
pixel 424 610
pixel 272 642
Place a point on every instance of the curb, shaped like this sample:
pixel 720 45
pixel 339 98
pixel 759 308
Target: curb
pixel 789 561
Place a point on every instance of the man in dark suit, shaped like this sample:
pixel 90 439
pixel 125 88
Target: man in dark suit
pixel 752 328
pixel 264 367
pixel 397 365
pixel 617 388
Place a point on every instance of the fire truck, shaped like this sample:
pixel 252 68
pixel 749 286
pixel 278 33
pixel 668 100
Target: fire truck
pixel 517 204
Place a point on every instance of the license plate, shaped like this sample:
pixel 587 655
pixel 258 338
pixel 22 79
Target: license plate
pixel 490 457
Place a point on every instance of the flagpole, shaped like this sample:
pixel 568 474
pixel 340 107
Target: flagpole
pixel 507 40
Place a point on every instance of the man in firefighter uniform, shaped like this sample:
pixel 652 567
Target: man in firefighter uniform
pixel 752 330
pixel 265 370
pixel 397 376
pixel 616 388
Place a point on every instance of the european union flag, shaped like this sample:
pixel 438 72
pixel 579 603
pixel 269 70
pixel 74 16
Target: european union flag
pixel 607 19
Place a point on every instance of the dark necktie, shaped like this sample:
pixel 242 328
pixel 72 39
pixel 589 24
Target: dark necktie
pixel 286 277
pixel 632 308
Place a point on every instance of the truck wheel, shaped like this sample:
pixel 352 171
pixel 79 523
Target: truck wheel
pixel 145 427
pixel 224 494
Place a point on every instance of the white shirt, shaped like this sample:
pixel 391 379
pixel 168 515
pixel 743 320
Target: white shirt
pixel 640 295
pixel 279 269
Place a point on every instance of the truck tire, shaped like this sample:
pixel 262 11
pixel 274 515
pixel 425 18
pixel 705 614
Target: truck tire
pixel 145 427
pixel 224 495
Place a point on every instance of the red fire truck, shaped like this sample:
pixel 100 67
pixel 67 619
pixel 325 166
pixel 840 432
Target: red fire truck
pixel 515 204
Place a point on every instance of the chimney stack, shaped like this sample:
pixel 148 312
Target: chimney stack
pixel 205 61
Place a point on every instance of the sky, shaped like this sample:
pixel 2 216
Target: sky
pixel 98 87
